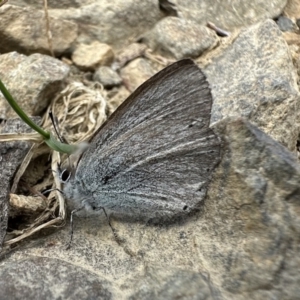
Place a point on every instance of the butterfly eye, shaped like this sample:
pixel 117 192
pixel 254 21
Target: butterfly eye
pixel 65 175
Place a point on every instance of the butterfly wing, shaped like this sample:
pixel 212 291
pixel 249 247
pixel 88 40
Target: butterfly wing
pixel 155 154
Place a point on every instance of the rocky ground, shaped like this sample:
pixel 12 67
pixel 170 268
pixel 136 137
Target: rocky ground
pixel 244 244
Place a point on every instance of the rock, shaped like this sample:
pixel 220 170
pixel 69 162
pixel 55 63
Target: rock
pixel 32 81
pixel 118 98
pixel 11 156
pixel 174 284
pixel 90 57
pixel 228 14
pixel 116 23
pixel 286 24
pixel 128 54
pixel 292 9
pixel 180 38
pixel 51 4
pixel 107 77
pixel 255 221
pixel 23 29
pixel 136 72
pixel 60 280
pixel 255 78
pixel 245 238
pixel 244 242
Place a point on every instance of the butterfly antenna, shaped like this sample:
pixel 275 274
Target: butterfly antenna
pixel 54 123
pixel 56 128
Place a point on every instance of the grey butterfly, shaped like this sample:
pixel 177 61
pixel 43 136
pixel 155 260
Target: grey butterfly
pixel 154 156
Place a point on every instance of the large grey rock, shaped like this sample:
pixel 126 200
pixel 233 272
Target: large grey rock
pixel 229 14
pixel 24 30
pixel 117 22
pixel 32 81
pixel 246 237
pixel 255 78
pixel 50 278
pixel 255 221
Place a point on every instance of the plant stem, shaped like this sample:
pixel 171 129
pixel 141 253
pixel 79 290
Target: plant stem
pixel 20 112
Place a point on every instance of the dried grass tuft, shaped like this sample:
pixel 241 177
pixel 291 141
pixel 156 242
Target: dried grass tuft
pixel 79 111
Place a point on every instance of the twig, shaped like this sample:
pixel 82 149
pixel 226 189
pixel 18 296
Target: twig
pixel 219 31
pixel 49 34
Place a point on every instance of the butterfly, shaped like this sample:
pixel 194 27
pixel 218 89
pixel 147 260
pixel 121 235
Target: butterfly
pixel 155 154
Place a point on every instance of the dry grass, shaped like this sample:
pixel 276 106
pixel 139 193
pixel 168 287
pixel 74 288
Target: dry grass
pixel 79 111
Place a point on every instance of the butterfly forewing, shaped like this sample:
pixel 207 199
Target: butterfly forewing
pixel 155 154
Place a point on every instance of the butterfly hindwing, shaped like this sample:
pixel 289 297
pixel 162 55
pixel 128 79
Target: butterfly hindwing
pixel 156 152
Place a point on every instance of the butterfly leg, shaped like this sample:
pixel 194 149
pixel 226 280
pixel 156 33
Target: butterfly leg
pixel 72 225
pixel 116 236
pixel 111 227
